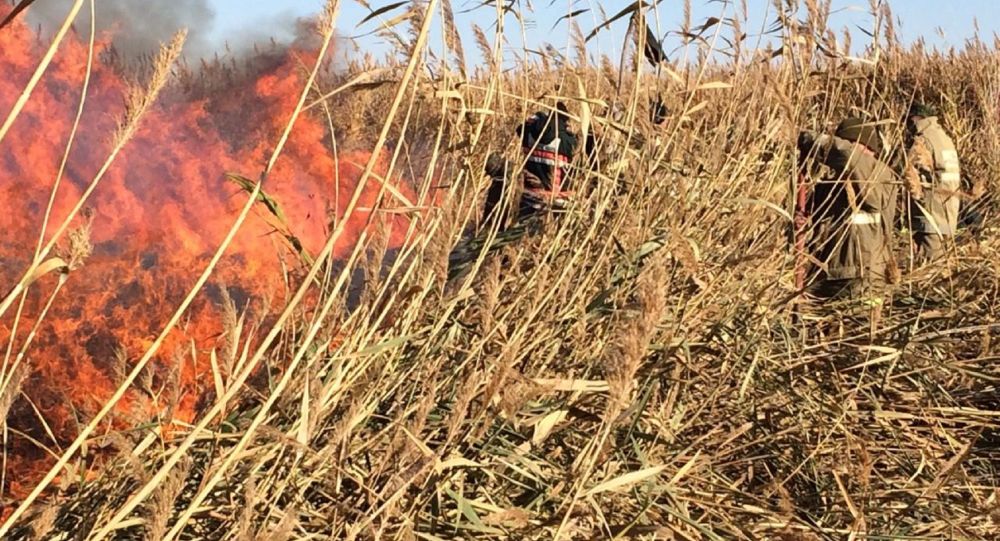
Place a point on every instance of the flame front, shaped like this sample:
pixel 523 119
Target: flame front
pixel 157 217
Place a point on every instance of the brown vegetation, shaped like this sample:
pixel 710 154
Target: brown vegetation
pixel 640 368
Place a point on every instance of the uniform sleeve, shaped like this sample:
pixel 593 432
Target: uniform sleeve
pixel 811 143
pixel 524 129
pixel 568 143
pixel 807 138
pixel 890 195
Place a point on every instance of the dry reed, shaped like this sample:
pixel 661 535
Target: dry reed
pixel 638 368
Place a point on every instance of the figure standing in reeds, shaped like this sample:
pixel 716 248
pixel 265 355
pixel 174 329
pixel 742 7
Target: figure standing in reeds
pixel 549 146
pixel 852 212
pixel 934 179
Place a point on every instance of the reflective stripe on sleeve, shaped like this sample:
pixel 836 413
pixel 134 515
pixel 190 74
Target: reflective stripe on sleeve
pixel 546 161
pixel 549 155
pixel 865 218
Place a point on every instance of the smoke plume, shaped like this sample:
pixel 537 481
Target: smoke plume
pixel 138 27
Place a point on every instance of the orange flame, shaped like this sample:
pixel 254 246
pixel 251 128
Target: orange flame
pixel 157 217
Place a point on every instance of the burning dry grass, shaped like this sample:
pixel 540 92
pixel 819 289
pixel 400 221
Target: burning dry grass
pixel 640 368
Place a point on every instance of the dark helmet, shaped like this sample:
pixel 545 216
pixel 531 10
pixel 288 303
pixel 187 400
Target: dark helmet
pixel 858 131
pixel 922 110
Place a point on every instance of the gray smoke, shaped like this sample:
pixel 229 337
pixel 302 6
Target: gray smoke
pixel 138 27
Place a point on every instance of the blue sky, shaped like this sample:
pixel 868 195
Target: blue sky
pixel 940 23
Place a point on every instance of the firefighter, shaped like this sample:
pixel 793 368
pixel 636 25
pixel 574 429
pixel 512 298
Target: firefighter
pixel 934 180
pixel 852 211
pixel 549 146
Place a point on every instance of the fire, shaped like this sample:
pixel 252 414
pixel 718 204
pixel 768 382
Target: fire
pixel 155 220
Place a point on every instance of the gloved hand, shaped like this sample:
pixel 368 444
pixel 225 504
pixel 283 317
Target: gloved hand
pixel 496 165
pixel 806 140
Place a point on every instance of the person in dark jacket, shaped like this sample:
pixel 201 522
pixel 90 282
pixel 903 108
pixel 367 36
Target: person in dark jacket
pixel 549 146
pixel 852 211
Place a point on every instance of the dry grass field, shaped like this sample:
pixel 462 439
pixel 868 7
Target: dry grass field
pixel 250 301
